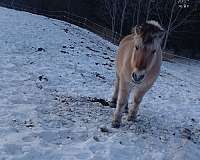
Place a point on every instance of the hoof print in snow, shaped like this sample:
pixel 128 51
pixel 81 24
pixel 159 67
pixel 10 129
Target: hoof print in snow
pixel 108 48
pixel 96 139
pixel 66 30
pixel 163 139
pixel 108 58
pixel 88 55
pixel 39 86
pixel 42 77
pixel 104 129
pixel 41 49
pixel 106 64
pixel 40 82
pixel 64 47
pixel 63 51
pixel 92 49
pixel 99 76
pixel 29 124
pixel 186 133
pixel 193 120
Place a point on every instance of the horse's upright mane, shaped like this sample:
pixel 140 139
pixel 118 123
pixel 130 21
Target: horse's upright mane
pixel 155 24
pixel 148 30
pixel 148 26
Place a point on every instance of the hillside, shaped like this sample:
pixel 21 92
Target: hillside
pixel 54 76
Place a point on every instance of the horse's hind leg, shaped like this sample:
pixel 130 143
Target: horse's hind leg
pixel 115 94
pixel 133 109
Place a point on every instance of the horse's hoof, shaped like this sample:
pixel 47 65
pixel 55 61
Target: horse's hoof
pixel 131 118
pixel 115 124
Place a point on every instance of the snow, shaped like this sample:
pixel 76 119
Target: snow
pixel 50 71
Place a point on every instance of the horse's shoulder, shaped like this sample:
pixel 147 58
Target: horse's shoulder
pixel 127 39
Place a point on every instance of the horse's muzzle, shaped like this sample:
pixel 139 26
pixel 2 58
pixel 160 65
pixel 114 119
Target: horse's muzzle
pixel 137 78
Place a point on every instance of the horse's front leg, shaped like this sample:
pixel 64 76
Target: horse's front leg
pixel 122 101
pixel 133 109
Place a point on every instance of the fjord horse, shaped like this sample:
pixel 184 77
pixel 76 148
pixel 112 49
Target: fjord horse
pixel 138 65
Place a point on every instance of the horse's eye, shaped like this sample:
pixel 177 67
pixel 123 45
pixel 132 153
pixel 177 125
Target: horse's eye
pixel 153 52
pixel 136 47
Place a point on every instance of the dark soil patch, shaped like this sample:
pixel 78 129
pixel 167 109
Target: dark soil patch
pixel 99 100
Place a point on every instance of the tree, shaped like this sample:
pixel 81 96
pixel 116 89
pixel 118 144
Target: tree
pixel 173 14
pixel 111 6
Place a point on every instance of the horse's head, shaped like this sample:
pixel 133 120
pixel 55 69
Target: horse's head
pixel 147 44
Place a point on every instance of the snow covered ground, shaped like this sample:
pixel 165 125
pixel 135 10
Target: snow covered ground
pixel 50 74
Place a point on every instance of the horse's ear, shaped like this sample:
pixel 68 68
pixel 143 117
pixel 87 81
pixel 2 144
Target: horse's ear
pixel 161 33
pixel 137 29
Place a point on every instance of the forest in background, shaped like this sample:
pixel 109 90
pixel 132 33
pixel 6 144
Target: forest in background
pixel 180 18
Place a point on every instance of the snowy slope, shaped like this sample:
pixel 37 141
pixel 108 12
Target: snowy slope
pixel 50 71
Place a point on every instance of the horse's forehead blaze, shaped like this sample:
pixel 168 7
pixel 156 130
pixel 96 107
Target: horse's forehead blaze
pixel 140 60
pixel 142 57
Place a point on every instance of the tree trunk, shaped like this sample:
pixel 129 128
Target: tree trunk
pixel 12 4
pixel 169 25
pixel 148 10
pixel 138 11
pixel 122 18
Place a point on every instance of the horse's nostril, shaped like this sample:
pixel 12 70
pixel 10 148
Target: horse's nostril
pixel 137 78
pixel 141 77
pixel 134 76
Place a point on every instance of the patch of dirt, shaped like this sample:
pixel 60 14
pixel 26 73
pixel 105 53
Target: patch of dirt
pixel 94 114
pixel 99 100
